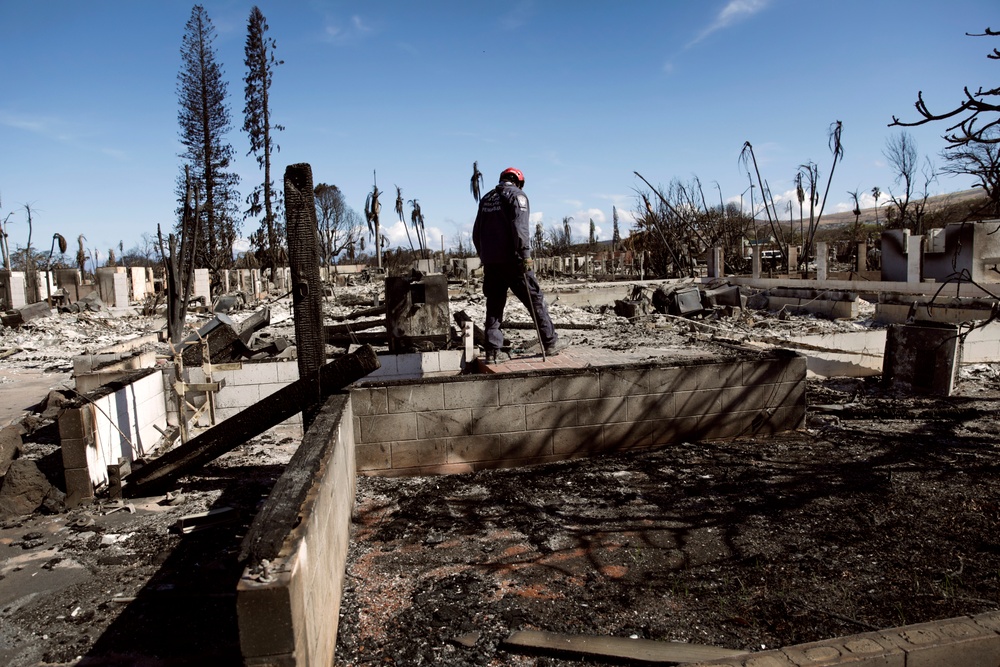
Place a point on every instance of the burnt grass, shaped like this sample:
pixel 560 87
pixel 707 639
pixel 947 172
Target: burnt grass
pixel 884 511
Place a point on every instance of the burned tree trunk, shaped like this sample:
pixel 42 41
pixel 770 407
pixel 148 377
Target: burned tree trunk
pixel 307 291
pixel 178 263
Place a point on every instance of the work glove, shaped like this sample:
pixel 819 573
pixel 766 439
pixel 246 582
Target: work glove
pixel 525 264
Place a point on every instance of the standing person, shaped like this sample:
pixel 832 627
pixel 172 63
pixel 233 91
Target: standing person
pixel 502 239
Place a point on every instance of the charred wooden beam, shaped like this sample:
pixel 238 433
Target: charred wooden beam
pixel 307 289
pixel 253 421
pixel 358 314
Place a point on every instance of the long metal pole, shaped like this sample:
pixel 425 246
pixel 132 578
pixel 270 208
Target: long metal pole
pixel 534 318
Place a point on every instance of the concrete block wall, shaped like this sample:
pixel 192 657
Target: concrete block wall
pixel 111 423
pixel 245 384
pixel 953 642
pixel 471 422
pixel 290 617
pixel 442 363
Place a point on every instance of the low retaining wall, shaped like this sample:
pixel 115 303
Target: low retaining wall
pixel 467 423
pixel 288 610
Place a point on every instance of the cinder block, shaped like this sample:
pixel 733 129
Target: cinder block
pixel 550 415
pixel 623 382
pixel 74 452
pixel 588 439
pixel 724 425
pixel 694 378
pixel 758 397
pixel 473 448
pixel 575 387
pixel 602 410
pixel 792 369
pixel 628 435
pixel 72 425
pixel 262 373
pixel 695 403
pixel 388 428
pixel 369 401
pixel 415 397
pixel 286 371
pixel 266 618
pixel 376 456
pixel 503 419
pixel 471 394
pixel 387 366
pixel 78 483
pixel 771 421
pixel 415 453
pixel 237 396
pixel 265 390
pixel 444 423
pixel 666 431
pixel 522 390
pixel 524 445
pixel 416 363
pixel 649 406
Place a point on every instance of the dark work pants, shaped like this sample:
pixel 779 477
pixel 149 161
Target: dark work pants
pixel 497 279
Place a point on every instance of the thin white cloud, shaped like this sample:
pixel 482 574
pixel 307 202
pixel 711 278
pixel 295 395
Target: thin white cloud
pixel 34 124
pixel 517 15
pixel 341 32
pixel 734 12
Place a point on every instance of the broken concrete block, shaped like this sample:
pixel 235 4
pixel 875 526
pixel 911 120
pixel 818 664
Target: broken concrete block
pixel 726 296
pixel 15 318
pixel 923 357
pixel 630 308
pixel 24 489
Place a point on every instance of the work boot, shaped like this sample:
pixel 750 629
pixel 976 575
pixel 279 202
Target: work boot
pixel 555 348
pixel 496 357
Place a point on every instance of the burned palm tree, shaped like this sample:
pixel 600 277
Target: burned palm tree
pixel 81 256
pixel 372 210
pixel 876 194
pixel 476 184
pixel 417 220
pixel 402 217
pixel 56 238
pixel 746 155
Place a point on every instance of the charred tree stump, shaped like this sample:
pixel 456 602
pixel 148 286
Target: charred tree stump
pixel 307 289
pixel 253 421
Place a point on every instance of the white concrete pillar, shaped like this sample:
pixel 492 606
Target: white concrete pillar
pixel 755 262
pixel 914 258
pixel 793 259
pixel 137 276
pixel 862 263
pixel 120 290
pixel 822 255
pixel 202 286
pixel 18 286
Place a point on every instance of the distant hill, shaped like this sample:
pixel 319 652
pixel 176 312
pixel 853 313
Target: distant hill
pixel 963 198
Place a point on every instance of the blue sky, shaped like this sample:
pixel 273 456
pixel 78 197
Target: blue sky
pixel 578 95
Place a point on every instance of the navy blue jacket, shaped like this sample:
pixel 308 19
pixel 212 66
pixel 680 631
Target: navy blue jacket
pixel 502 230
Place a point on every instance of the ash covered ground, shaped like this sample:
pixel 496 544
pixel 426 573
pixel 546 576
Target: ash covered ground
pixel 882 512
